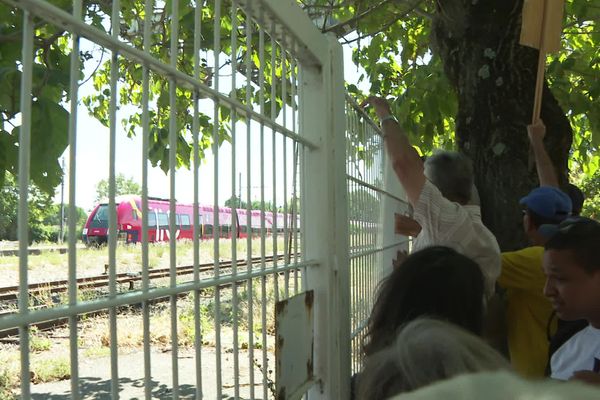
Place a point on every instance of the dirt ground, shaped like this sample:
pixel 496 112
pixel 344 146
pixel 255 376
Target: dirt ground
pixel 95 377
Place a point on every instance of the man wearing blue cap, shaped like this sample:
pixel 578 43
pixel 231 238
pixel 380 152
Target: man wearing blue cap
pixel 528 311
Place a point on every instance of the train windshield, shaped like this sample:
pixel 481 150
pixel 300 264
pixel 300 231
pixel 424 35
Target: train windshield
pixel 100 219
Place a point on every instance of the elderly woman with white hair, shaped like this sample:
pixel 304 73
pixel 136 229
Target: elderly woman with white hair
pixel 425 351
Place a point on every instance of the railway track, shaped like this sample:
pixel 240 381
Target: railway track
pixel 10 293
pixel 102 280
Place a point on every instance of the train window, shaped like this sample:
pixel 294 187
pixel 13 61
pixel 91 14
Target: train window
pixel 208 230
pixel 134 214
pixel 163 220
pixel 151 219
pixel 100 219
pixel 185 222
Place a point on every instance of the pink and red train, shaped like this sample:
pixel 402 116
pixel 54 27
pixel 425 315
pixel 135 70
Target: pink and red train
pixel 129 221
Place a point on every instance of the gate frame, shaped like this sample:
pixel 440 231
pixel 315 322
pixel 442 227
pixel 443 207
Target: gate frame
pixel 323 121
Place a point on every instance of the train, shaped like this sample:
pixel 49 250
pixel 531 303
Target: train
pixel 129 221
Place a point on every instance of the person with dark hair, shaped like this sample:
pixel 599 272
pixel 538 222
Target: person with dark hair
pixel 577 198
pixel 423 352
pixel 437 282
pixel 439 191
pixel 572 268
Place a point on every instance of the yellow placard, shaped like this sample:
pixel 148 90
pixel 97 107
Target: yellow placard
pixel 536 13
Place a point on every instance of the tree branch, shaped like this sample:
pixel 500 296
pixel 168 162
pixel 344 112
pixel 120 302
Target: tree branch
pixel 345 27
pixel 413 7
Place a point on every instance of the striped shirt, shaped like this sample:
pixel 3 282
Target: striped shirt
pixel 446 223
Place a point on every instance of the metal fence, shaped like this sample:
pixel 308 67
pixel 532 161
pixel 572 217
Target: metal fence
pixel 272 91
pixel 374 196
pixel 294 143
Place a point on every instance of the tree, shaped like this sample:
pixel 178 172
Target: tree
pixel 123 185
pixel 39 206
pixel 51 81
pixel 590 185
pixel 52 220
pixel 455 67
pixel 460 78
pixel 235 202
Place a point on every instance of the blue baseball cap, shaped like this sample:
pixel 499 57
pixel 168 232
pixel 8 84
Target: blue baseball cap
pixel 548 202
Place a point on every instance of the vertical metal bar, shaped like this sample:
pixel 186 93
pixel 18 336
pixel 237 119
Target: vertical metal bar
pixel 112 215
pixel 274 142
pixel 216 51
pixel 301 173
pixel 261 80
pixel 353 278
pixel 250 299
pixel 284 82
pixel 367 200
pixel 295 209
pixel 234 228
pixel 72 240
pixel 356 262
pixel 173 137
pixel 23 212
pixel 148 10
pixel 196 213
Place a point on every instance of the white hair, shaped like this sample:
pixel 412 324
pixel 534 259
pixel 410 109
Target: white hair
pixel 425 351
pixel 502 385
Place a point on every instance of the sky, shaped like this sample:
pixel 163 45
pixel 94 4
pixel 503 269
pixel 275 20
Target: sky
pixel 93 153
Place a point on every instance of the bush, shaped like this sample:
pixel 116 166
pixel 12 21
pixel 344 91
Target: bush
pixel 56 369
pixel 7 384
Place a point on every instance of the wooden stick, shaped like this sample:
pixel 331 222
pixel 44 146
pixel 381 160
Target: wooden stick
pixel 539 86
pixel 539 82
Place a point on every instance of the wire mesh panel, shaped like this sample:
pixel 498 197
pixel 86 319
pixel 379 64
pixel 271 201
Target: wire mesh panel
pixel 374 196
pixel 210 92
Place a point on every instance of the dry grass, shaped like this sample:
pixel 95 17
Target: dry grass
pixel 47 364
pixel 91 261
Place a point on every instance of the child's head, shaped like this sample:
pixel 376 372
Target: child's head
pixel 572 268
pixel 437 282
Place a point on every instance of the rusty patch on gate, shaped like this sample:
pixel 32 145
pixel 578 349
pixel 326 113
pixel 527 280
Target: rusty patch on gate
pixel 294 321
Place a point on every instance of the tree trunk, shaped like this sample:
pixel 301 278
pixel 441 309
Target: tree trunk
pixel 494 77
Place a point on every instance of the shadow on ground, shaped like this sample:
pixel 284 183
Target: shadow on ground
pixel 99 389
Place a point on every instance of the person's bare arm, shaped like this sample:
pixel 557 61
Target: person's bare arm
pixel 405 160
pixel 406 226
pixel 545 168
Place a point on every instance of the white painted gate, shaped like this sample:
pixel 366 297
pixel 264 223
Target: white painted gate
pixel 292 153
